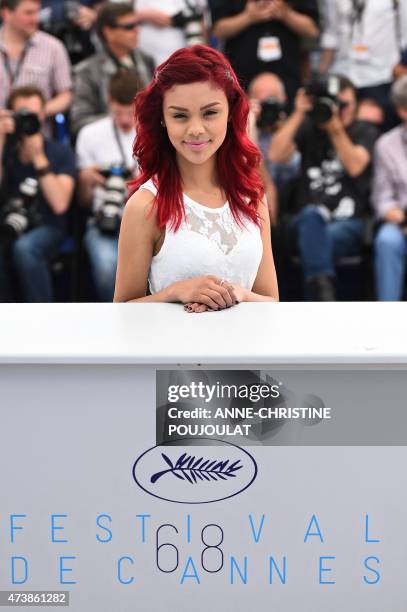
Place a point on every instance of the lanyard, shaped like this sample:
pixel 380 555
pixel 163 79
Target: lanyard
pixel 358 11
pixel 359 7
pixel 120 145
pixel 13 76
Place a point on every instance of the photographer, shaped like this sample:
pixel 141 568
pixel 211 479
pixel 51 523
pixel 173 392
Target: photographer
pixel 72 22
pixel 104 152
pixel 37 182
pixel 168 25
pixel 30 57
pixel 389 199
pixel 364 39
pixel 335 177
pixel 265 35
pixel 117 27
pixel 268 102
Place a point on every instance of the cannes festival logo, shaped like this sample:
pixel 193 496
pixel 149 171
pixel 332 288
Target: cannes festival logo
pixel 196 474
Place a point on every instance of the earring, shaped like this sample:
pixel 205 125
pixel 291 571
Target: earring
pixel 163 124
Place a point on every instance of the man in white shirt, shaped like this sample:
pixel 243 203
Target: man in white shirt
pixel 105 159
pixel 159 34
pixel 363 40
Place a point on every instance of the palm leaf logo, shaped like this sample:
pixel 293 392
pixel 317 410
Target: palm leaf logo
pixel 193 470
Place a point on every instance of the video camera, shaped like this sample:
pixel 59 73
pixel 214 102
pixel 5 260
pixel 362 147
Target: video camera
pixel 324 95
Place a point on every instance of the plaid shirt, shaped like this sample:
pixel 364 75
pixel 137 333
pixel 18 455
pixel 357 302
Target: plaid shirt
pixel 44 63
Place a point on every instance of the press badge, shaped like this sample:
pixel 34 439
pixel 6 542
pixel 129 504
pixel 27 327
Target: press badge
pixel 360 52
pixel 269 49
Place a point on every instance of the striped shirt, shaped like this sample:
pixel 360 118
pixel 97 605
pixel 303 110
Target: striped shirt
pixel 389 188
pixel 43 63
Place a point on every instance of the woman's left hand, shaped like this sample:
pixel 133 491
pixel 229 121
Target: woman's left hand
pixel 240 292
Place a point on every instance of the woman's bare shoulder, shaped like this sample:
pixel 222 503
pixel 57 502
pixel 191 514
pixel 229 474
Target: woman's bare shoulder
pixel 140 209
pixel 141 201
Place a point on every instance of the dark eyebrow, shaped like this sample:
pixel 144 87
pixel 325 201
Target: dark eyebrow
pixel 180 108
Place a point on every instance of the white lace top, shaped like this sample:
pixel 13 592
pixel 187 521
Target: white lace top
pixel 209 241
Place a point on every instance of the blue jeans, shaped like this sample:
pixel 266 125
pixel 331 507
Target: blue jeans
pixel 321 244
pixel 30 258
pixel 102 252
pixel 390 253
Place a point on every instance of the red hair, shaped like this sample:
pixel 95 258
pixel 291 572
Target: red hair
pixel 237 158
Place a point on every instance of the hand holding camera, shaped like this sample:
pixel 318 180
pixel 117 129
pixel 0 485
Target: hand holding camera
pixel 33 147
pixel 85 17
pixel 93 176
pixel 265 10
pixel 303 102
pixel 258 11
pixel 7 125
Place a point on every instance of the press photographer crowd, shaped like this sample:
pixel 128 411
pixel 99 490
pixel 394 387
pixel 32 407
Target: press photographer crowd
pixel 327 86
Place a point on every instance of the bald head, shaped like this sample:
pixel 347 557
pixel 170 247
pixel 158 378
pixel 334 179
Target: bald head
pixel 267 85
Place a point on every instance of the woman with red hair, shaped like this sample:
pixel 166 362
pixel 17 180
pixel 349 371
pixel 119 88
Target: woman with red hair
pixel 196 227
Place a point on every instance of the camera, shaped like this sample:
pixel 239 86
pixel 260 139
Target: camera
pixel 272 110
pixel 190 20
pixel 20 212
pixel 110 211
pixel 26 123
pixel 324 95
pixel 71 9
pixel 78 42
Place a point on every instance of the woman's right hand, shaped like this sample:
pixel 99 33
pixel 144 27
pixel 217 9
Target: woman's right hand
pixel 208 290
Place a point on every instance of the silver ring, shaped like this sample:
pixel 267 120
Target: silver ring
pixel 222 282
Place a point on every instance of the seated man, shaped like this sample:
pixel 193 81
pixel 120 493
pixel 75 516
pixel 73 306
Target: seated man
pixel 117 26
pixel 389 199
pixel 37 182
pixel 106 146
pixel 72 22
pixel 31 57
pixel 268 102
pixel 335 177
pixel 168 25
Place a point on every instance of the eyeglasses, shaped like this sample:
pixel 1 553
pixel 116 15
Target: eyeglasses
pixel 126 26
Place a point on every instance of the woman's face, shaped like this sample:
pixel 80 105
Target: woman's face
pixel 196 119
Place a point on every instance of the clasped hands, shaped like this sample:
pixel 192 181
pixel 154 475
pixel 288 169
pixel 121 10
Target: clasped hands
pixel 266 10
pixel 208 293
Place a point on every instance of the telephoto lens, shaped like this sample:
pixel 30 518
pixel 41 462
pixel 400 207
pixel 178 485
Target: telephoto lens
pixel 27 123
pixel 110 212
pixel 20 212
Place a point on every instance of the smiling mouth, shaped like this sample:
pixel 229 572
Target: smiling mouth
pixel 197 146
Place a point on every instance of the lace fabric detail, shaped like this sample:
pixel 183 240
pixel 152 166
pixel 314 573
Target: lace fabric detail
pixel 218 226
pixel 209 241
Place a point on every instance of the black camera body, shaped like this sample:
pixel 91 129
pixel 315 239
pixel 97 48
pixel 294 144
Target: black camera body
pixel 20 213
pixel 109 213
pixel 190 20
pixel 26 123
pixel 272 110
pixel 324 94
pixel 78 42
pixel 71 10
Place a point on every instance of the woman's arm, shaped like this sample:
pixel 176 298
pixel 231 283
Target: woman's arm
pixel 138 236
pixel 265 288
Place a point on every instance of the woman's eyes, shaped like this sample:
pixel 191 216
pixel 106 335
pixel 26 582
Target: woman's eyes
pixel 206 114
